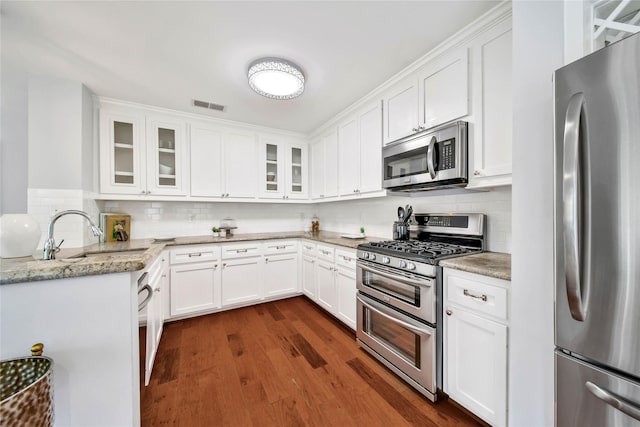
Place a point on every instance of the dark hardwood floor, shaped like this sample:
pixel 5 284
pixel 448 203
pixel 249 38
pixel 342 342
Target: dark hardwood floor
pixel 284 363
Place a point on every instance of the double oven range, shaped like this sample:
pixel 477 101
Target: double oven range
pixel 399 302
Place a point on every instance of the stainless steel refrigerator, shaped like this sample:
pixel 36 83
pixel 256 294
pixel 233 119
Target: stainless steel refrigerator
pixel 597 238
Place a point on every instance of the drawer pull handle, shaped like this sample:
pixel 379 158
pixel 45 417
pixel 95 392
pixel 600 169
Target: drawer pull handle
pixel 483 297
pixel 239 251
pixel 195 254
pixel 346 258
pixel 281 247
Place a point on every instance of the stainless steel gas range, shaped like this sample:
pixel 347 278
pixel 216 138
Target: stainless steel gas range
pixel 399 303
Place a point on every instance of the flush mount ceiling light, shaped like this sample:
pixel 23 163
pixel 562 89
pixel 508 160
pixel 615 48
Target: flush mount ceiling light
pixel 276 78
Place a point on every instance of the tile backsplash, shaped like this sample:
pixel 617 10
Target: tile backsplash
pixel 168 219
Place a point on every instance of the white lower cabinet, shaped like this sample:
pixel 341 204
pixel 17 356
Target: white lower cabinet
pixel 195 279
pixel 280 274
pixel 475 343
pixel 346 295
pixel 329 279
pixel 155 319
pixel 325 285
pixel 241 281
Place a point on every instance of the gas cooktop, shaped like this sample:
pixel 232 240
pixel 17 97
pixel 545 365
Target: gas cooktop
pixel 417 250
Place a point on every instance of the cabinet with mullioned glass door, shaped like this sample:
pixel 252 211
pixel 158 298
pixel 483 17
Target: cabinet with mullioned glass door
pixel 141 154
pixel 283 169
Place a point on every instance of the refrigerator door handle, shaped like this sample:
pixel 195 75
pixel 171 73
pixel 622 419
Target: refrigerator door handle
pixel 612 399
pixel 571 204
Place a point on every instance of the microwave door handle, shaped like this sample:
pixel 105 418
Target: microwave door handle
pixel 402 323
pixel 430 154
pixel 397 278
pixel 612 399
pixel 571 204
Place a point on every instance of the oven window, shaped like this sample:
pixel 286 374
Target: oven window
pixel 405 164
pixel 402 341
pixel 398 290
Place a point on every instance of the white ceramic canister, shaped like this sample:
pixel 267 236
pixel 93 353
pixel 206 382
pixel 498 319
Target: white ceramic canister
pixel 19 235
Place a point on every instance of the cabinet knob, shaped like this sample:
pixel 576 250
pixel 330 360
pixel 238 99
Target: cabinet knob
pixel 476 173
pixel 143 192
pixel 215 266
pixel 266 260
pixel 449 312
pixel 415 129
pixel 421 128
pixel 224 265
pixel 157 289
pixel 222 195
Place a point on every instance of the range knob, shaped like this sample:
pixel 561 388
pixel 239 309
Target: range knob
pixel 365 255
pixel 385 260
pixel 372 257
pixel 403 264
pixel 411 266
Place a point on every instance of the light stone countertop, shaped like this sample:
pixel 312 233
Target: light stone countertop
pixel 491 264
pixel 144 251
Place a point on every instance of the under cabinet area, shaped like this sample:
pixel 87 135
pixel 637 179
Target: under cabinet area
pixel 476 316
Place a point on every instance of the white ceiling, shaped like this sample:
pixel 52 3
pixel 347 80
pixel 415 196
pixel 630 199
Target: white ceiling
pixel 168 53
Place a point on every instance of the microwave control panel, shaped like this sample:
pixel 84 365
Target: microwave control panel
pixel 446 154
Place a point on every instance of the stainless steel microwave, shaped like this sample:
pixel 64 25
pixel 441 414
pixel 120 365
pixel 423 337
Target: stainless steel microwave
pixel 431 159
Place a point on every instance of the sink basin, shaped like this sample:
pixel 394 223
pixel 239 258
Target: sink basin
pixel 114 253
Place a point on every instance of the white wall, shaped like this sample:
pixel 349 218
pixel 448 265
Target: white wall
pixel 13 140
pixel 537 52
pixel 55 133
pixel 377 215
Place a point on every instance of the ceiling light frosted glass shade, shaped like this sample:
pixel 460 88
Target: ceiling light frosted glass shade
pixel 276 78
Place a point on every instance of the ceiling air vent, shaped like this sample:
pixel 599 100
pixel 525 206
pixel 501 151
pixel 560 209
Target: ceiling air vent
pixel 209 105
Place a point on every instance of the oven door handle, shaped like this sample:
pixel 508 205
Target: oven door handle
pixel 379 310
pixel 424 283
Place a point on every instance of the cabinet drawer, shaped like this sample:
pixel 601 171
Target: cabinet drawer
pixel 281 247
pixel 346 258
pixel 308 248
pixel 325 252
pixel 242 250
pixel 471 292
pixel 195 253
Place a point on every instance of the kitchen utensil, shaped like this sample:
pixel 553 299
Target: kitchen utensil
pixel 408 214
pixel 400 213
pixel 400 230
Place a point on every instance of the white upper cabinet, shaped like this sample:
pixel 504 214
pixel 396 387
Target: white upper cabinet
pixel 349 157
pixel 360 152
pixel 207 165
pixel 142 154
pixel 223 162
pixel 444 94
pixel 437 93
pixel 166 156
pixel 324 166
pixel 122 152
pixel 283 169
pixel 400 107
pixel 240 164
pixel 491 137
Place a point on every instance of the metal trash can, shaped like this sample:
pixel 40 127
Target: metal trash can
pixel 26 391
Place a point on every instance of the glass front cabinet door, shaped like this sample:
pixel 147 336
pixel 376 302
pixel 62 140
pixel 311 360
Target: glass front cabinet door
pixel 283 169
pixel 166 157
pixel 122 156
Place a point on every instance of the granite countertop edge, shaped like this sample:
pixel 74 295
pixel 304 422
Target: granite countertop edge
pixel 491 264
pixel 30 269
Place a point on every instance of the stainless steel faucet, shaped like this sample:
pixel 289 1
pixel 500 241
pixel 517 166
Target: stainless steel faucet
pixel 50 248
